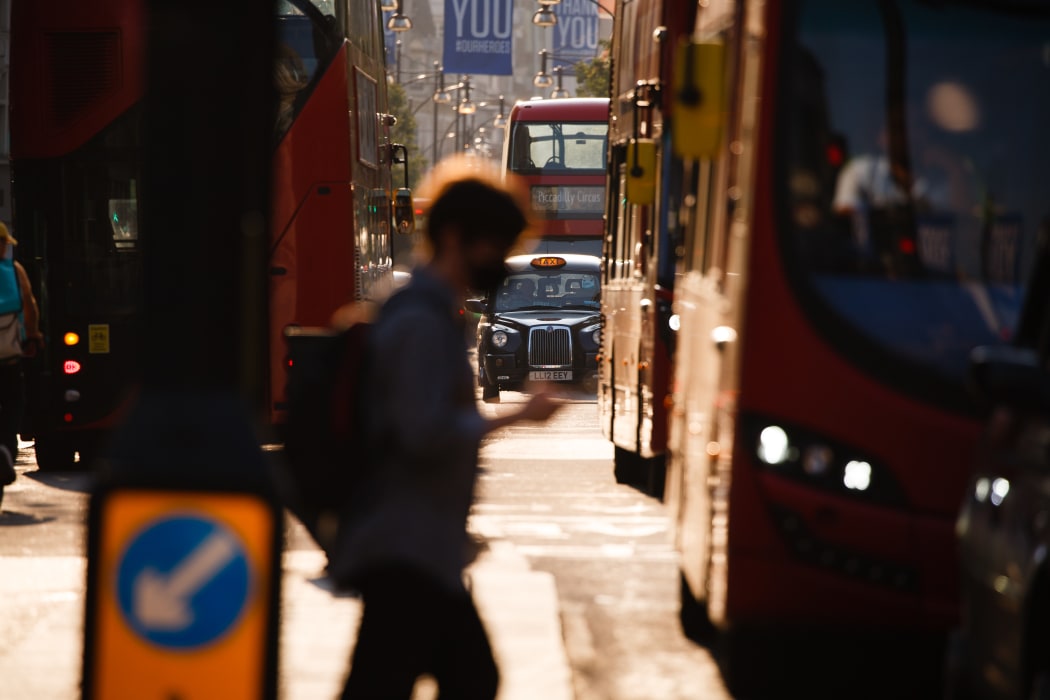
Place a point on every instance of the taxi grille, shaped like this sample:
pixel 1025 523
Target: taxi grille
pixel 550 348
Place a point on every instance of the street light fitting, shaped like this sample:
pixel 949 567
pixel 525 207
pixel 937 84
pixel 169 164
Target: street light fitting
pixel 441 95
pixel 398 22
pixel 545 17
pixel 500 119
pixel 543 79
pixel 466 106
pixel 559 92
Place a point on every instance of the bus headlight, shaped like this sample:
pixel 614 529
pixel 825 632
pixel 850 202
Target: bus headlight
pixel 817 461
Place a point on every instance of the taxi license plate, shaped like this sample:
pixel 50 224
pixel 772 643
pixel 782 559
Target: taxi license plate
pixel 551 375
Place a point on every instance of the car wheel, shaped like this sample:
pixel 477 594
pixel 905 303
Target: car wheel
pixel 490 393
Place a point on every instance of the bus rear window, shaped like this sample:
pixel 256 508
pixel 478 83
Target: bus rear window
pixel 558 146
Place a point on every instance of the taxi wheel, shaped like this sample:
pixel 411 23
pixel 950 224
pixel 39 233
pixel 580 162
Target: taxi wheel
pixel 490 393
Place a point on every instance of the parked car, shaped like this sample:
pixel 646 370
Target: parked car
pixel 1001 648
pixel 542 324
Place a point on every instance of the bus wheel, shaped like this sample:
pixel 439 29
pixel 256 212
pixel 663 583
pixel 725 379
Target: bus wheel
pixel 692 613
pixel 629 467
pixel 647 474
pixel 54 454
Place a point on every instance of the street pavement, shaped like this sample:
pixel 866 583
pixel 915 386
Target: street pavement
pixel 42 608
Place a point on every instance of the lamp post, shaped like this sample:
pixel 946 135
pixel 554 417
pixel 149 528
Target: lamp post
pixel 462 127
pixel 465 107
pixel 441 97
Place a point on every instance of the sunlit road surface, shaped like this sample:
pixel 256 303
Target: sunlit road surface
pixel 548 494
pixel 577 584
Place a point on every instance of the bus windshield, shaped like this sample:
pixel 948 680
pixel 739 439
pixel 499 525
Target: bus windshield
pixel 578 146
pixel 911 171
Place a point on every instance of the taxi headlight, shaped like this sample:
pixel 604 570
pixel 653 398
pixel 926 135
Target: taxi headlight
pixel 596 336
pixel 499 339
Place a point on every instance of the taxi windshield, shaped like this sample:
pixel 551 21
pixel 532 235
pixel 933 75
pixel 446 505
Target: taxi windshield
pixel 524 291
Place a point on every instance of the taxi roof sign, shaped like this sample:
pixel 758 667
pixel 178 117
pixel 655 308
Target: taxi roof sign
pixel 548 261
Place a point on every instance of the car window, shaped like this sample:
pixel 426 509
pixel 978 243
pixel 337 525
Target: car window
pixel 540 290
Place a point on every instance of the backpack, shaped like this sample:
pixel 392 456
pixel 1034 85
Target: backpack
pixel 326 465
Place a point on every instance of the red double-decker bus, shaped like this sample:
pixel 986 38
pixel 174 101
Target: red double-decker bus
pixel 77 82
pixel 558 148
pixel 638 275
pixel 853 197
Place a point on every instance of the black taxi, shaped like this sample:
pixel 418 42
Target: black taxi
pixel 542 324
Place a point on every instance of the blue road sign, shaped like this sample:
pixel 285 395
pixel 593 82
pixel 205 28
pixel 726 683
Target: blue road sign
pixel 183 581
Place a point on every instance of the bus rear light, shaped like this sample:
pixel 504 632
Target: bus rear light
pixel 68 417
pixel 71 338
pixel 70 367
pixel 72 395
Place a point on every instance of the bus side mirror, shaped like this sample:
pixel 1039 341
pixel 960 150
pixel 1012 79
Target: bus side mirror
pixel 404 212
pixel 641 171
pixel 475 306
pixel 699 99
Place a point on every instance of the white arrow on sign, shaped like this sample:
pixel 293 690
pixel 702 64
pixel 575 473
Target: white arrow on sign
pixel 161 601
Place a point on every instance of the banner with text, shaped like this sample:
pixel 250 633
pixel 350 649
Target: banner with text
pixel 576 33
pixel 478 36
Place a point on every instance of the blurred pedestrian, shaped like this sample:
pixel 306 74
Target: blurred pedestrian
pixel 408 554
pixel 19 336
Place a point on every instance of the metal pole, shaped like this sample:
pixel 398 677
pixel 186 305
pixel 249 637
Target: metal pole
pixel 437 89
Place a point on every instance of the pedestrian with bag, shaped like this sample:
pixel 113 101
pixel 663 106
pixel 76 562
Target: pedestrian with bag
pixel 407 551
pixel 19 336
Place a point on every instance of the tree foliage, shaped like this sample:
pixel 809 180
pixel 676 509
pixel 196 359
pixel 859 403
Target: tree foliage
pixel 592 77
pixel 404 132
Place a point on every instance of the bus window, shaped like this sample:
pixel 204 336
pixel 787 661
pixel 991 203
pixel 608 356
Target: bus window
pixel 521 149
pixel 567 145
pixel 939 200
